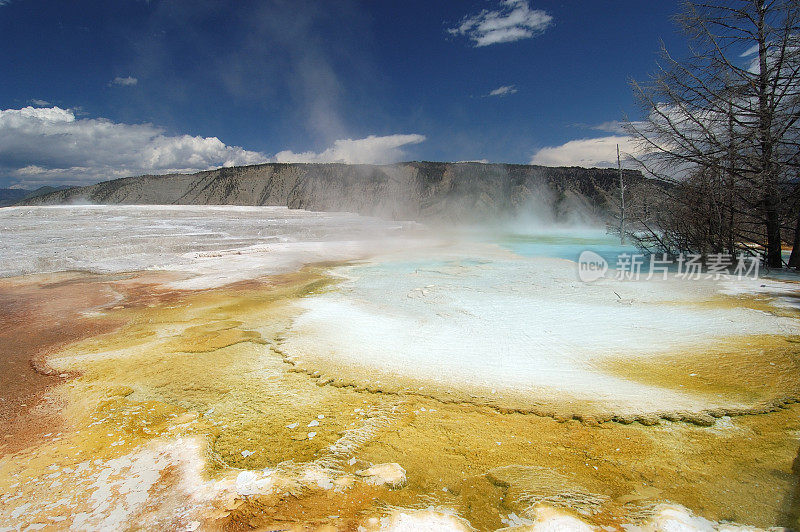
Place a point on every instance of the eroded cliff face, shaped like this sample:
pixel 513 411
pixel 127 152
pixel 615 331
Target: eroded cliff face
pixel 415 190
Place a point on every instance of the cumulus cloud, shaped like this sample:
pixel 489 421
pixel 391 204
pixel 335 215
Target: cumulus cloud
pixel 369 150
pixel 513 20
pixel 599 152
pixel 50 145
pixel 127 81
pixel 41 103
pixel 505 90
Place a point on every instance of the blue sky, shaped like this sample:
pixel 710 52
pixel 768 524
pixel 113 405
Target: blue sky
pixel 134 86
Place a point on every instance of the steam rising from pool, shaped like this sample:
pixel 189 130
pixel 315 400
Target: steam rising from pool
pixel 519 332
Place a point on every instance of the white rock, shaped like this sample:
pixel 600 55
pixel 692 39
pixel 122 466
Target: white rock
pixel 429 520
pixel 390 473
pixel 250 483
pixel 245 483
pixel 548 520
pixel 678 518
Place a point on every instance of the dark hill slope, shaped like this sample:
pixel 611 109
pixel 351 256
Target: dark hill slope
pixel 415 190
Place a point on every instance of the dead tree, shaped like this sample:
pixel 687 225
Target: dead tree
pixel 727 118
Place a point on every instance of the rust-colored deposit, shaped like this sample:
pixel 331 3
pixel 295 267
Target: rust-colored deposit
pixel 176 412
pixel 38 316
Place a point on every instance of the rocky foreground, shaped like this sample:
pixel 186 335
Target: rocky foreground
pixel 413 190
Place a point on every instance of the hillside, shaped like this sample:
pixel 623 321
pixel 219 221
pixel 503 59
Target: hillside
pixel 413 190
pixel 10 196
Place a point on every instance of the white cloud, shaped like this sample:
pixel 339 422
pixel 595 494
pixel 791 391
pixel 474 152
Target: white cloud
pixel 127 81
pixel 750 51
pixel 369 150
pixel 612 126
pixel 774 52
pixel 618 127
pixel 512 21
pixel 600 152
pixel 40 103
pixel 50 145
pixel 505 90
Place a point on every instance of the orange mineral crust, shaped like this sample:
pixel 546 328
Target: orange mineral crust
pixel 39 315
pixel 177 410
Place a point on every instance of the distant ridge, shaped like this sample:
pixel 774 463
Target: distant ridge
pixel 10 196
pixel 411 190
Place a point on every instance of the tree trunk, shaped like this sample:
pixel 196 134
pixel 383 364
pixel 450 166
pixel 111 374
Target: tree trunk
pixel 794 258
pixel 773 222
pixel 773 225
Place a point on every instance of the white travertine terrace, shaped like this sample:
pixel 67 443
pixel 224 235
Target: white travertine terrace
pixel 525 327
pixel 215 245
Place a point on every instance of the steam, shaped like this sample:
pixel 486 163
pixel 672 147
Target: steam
pixel 270 51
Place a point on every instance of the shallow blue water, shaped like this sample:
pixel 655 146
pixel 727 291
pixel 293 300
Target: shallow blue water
pixel 567 244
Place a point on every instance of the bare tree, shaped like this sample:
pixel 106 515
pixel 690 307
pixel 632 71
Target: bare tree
pixel 722 124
